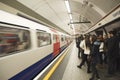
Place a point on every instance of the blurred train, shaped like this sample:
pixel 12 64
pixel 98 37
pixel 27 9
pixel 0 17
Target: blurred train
pixel 26 47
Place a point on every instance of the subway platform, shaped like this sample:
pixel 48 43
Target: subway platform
pixel 66 68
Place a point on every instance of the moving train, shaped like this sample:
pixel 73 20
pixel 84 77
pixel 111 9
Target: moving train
pixel 26 47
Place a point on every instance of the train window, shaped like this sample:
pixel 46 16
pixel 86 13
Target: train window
pixel 65 38
pixel 13 40
pixel 62 38
pixel 43 39
pixel 54 38
pixel 58 38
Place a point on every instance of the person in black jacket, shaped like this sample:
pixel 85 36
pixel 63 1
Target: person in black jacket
pixel 78 45
pixel 78 41
pixel 95 56
pixel 113 52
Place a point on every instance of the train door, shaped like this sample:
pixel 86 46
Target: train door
pixel 56 45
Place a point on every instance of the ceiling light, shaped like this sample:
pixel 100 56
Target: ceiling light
pixel 68 6
pixel 70 15
pixel 68 9
pixel 71 21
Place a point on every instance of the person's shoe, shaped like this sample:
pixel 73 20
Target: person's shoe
pixel 79 66
pixel 79 57
pixel 88 71
pixel 109 75
pixel 91 79
pixel 98 79
pixel 101 66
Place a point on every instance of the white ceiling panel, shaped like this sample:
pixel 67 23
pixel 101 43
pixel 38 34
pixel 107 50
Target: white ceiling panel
pixel 56 12
pixel 31 3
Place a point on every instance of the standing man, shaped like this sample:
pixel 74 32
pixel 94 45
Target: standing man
pixel 78 45
pixel 113 52
pixel 95 44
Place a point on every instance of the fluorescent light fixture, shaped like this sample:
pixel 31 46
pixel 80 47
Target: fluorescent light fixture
pixel 73 29
pixel 101 12
pixel 71 21
pixel 70 15
pixel 68 6
pixel 72 25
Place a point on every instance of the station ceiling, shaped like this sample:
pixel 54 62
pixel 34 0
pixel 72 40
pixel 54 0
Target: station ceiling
pixel 54 12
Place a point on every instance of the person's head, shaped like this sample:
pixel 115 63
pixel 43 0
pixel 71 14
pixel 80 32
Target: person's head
pixel 111 33
pixel 87 40
pixel 93 38
pixel 100 37
pixel 0 39
pixel 81 37
pixel 87 37
pixel 105 37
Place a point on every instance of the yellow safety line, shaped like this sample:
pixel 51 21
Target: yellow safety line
pixel 55 66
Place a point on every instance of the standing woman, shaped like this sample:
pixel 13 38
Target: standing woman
pixel 85 45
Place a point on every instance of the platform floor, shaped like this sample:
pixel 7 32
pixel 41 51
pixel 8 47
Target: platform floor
pixel 73 73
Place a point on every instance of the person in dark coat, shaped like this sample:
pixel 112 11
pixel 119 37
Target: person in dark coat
pixel 95 44
pixel 112 52
pixel 78 45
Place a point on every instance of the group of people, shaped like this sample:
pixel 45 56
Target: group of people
pixel 96 49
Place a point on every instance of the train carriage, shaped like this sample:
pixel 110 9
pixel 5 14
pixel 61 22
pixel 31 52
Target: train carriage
pixel 26 47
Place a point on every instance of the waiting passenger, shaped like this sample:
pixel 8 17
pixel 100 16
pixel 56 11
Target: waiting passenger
pixel 85 45
pixel 81 50
pixel 95 57
pixel 113 52
pixel 1 47
pixel 78 45
pixel 105 48
pixel 101 51
pixel 78 41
